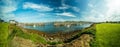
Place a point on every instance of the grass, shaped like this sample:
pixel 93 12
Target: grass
pixel 33 37
pixel 55 43
pixel 5 37
pixel 107 35
pixel 3 34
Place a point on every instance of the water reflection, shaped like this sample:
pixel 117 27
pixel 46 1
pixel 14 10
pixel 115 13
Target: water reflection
pixel 50 28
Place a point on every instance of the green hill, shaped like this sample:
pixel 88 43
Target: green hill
pixel 107 35
pixel 3 34
pixel 6 36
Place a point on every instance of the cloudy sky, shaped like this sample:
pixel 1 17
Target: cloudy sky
pixel 60 10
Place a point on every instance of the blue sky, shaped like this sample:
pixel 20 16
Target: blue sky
pixel 60 10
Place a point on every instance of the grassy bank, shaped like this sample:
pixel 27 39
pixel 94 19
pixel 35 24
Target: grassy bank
pixel 3 34
pixel 31 36
pixel 6 37
pixel 107 35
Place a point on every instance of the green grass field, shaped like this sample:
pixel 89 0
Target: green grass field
pixel 33 37
pixel 3 34
pixel 5 37
pixel 107 35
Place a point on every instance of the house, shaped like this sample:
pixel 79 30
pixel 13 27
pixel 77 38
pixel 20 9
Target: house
pixel 13 22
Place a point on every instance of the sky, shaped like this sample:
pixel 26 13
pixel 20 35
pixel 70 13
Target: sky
pixel 60 10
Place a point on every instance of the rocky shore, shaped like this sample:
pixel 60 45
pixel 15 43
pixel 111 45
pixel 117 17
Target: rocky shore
pixel 59 36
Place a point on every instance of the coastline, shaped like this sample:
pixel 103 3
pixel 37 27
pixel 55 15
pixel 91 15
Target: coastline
pixel 59 38
pixel 59 35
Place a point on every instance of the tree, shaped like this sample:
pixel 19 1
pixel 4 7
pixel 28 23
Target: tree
pixel 1 20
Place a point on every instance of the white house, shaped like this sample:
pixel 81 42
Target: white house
pixel 13 22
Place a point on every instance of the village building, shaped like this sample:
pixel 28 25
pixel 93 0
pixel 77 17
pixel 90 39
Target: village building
pixel 13 22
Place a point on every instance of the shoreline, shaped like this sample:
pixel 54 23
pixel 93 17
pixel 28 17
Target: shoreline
pixel 59 38
pixel 61 35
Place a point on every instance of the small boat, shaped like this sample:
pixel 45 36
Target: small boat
pixel 34 25
pixel 68 26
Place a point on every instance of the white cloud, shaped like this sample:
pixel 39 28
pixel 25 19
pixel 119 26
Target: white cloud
pixel 91 5
pixel 8 8
pixel 66 6
pixel 66 14
pixel 103 11
pixel 8 16
pixel 63 7
pixel 93 15
pixel 37 7
pixel 76 9
pixel 113 10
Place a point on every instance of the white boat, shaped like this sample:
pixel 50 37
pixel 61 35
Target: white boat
pixel 34 25
pixel 68 26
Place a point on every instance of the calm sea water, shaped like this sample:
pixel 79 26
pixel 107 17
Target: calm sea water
pixel 50 28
